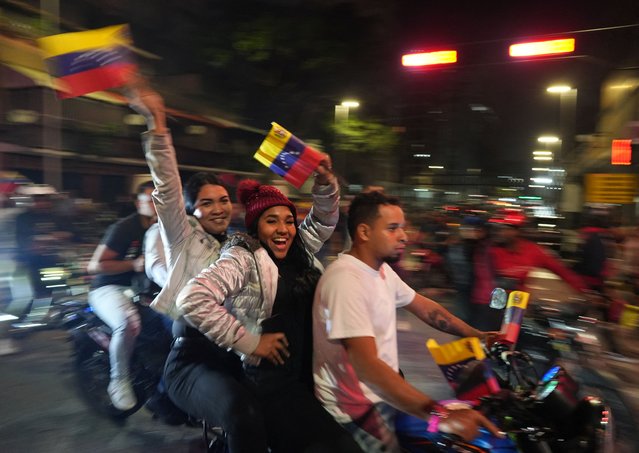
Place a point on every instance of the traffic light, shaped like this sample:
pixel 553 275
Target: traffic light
pixel 621 152
pixel 542 48
pixel 421 59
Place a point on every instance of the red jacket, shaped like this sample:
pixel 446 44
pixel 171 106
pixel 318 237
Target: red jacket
pixel 516 263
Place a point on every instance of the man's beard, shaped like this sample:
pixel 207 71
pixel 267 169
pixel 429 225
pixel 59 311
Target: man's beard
pixel 392 259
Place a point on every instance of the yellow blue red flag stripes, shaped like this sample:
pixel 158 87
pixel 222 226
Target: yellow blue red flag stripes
pixel 88 61
pixel 288 156
pixel 453 356
pixel 513 316
pixel 462 363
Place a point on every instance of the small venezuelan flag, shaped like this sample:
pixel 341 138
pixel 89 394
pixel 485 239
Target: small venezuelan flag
pixel 88 61
pixel 454 356
pixel 288 156
pixel 462 363
pixel 513 316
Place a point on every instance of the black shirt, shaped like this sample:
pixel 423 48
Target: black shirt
pixel 291 315
pixel 125 238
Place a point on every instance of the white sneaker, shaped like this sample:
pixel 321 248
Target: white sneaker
pixel 122 395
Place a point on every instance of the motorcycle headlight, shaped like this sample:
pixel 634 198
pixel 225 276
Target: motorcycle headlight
pixel 557 393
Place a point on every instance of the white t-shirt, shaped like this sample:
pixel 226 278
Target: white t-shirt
pixel 353 300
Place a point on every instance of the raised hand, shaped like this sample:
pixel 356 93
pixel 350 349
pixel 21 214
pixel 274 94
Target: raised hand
pixel 148 103
pixel 324 172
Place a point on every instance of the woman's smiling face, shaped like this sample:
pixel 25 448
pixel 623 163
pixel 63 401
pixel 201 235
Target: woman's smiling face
pixel 213 208
pixel 276 230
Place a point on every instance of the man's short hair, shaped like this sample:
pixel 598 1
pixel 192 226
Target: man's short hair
pixel 194 184
pixel 365 209
pixel 144 186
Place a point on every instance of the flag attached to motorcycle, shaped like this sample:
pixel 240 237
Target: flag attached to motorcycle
pixel 286 155
pixel 462 363
pixel 513 315
pixel 88 61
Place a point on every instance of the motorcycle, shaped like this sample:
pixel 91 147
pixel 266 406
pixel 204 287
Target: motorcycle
pixel 550 413
pixel 90 338
pixel 576 339
pixel 61 289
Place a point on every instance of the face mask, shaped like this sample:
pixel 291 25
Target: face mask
pixel 145 206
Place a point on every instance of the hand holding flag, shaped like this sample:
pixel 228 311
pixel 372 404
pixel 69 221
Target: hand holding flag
pixel 324 171
pixel 289 157
pixel 146 102
pixel 88 61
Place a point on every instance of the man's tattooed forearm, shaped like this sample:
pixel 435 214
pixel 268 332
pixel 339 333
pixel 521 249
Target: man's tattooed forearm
pixel 439 320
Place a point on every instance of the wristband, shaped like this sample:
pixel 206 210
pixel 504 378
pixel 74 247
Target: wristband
pixel 437 414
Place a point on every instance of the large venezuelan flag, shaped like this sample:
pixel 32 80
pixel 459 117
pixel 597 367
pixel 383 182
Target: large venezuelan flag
pixel 288 156
pixel 88 61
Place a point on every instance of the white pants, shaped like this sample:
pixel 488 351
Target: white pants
pixel 117 311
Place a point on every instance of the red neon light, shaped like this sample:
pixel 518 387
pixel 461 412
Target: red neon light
pixel 621 152
pixel 429 58
pixel 539 48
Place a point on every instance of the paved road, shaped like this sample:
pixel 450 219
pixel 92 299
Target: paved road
pixel 41 412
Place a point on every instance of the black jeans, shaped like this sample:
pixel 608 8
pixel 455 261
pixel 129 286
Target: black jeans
pixel 207 383
pixel 296 422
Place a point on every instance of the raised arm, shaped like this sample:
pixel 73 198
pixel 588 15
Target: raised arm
pixel 321 220
pixel 554 265
pixel 162 162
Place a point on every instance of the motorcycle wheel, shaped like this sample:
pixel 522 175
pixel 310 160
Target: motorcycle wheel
pixel 624 428
pixel 92 370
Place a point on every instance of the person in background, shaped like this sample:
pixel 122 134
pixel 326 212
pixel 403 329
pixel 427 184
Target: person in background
pixel 41 233
pixel 507 262
pixel 461 254
pixel 256 302
pixel 595 249
pixel 355 357
pixel 115 263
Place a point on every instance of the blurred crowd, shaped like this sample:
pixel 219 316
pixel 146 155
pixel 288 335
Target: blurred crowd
pixel 437 259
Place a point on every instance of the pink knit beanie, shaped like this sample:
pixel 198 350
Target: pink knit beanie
pixel 257 198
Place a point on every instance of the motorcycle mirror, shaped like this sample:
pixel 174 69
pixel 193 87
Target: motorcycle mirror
pixel 498 298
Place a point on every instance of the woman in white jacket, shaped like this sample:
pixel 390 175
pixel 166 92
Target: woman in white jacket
pixel 264 282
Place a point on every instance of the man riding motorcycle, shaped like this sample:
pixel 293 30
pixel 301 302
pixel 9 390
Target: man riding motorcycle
pixel 507 262
pixel 39 233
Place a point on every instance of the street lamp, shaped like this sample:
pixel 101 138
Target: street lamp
pixel 548 139
pixel 342 110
